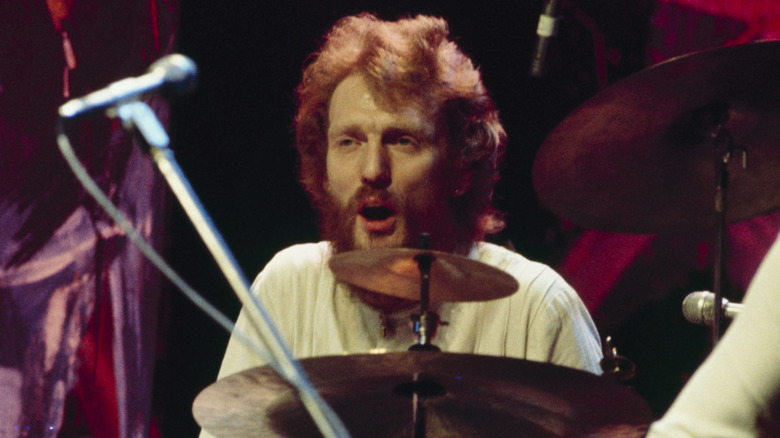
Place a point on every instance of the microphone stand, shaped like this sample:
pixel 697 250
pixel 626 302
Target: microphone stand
pixel 720 212
pixel 139 119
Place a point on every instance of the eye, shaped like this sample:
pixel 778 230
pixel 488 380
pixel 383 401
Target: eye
pixel 346 142
pixel 406 141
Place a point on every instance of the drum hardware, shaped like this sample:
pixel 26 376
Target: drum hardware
pixel 396 272
pixel 637 158
pixel 419 390
pixel 462 395
pixel 721 133
pixel 422 275
pixel 615 365
pixel 393 272
pixel 427 322
pixel 425 326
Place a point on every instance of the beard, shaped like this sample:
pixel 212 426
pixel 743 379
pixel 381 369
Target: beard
pixel 339 225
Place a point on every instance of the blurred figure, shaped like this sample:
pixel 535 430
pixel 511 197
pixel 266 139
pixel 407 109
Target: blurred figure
pixel 735 392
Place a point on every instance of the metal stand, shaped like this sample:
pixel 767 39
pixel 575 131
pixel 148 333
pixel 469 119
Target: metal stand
pixel 138 118
pixel 420 389
pixel 614 365
pixel 721 133
pixel 426 323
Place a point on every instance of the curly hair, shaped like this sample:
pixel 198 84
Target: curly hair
pixel 411 61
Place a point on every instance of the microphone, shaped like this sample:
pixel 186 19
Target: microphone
pixel 170 75
pixel 545 30
pixel 699 307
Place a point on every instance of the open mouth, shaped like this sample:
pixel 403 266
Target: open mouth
pixel 376 213
pixel 377 217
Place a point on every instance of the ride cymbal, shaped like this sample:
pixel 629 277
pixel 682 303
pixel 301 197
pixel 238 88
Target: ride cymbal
pixel 639 156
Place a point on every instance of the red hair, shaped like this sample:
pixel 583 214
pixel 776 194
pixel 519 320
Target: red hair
pixel 410 61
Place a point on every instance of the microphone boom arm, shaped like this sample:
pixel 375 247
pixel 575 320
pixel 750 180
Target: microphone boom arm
pixel 139 119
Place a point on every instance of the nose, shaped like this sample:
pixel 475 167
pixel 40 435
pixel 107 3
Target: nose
pixel 375 171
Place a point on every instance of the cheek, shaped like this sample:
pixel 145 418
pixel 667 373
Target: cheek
pixel 425 176
pixel 336 179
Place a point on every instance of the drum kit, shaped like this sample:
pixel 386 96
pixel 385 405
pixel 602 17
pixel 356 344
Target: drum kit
pixel 651 154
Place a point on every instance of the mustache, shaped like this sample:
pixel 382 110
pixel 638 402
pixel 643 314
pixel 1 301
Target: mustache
pixel 365 192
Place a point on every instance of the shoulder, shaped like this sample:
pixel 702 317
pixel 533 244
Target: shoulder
pixel 296 261
pixel 538 282
pixel 506 259
pixel 302 254
pixel 527 272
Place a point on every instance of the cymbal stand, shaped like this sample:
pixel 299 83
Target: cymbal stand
pixel 420 389
pixel 426 323
pixel 719 133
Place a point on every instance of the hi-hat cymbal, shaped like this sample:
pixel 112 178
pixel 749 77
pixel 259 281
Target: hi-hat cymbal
pixel 477 396
pixel 638 157
pixel 394 271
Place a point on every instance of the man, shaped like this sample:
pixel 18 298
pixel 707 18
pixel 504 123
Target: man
pixel 396 137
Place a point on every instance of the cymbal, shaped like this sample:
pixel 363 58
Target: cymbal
pixel 479 396
pixel 394 271
pixel 638 157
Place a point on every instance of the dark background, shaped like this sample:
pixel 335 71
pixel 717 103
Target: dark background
pixel 233 139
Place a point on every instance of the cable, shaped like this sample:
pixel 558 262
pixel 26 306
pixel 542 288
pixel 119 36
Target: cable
pixel 133 113
pixel 146 249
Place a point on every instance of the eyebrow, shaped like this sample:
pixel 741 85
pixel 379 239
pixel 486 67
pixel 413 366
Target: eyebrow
pixel 418 133
pixel 350 130
pixel 354 130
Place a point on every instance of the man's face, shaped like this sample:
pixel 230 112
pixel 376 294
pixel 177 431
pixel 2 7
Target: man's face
pixel 386 173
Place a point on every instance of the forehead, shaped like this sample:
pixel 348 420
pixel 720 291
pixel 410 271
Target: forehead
pixel 355 103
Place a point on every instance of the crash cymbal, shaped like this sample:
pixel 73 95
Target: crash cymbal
pixel 463 395
pixel 394 271
pixel 639 158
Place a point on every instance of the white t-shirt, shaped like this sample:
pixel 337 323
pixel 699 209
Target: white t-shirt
pixel 544 321
pixel 741 377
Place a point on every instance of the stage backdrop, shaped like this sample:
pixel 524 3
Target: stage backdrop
pixel 77 302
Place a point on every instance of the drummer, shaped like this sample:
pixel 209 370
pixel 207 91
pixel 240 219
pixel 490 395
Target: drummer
pixel 397 136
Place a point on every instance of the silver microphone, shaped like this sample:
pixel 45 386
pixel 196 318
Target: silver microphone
pixel 545 31
pixel 699 307
pixel 170 75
